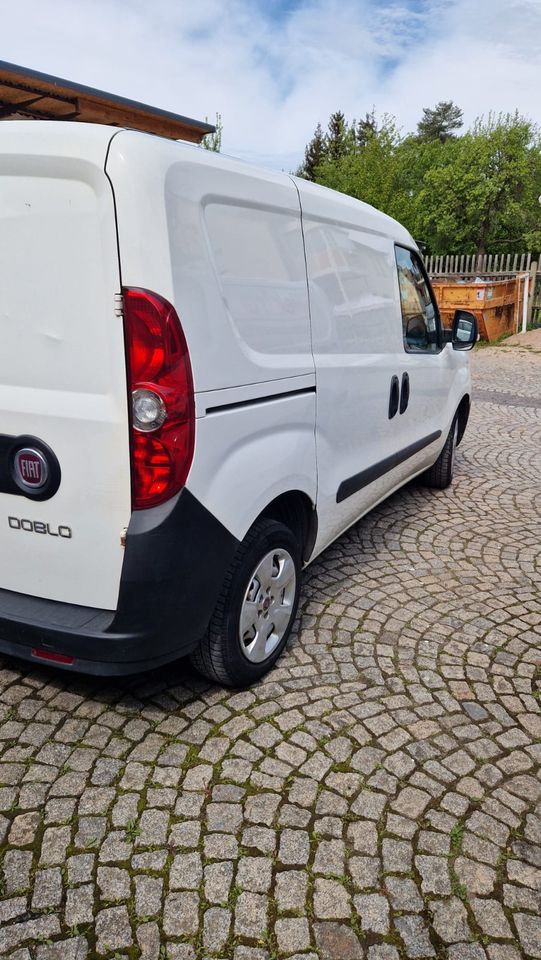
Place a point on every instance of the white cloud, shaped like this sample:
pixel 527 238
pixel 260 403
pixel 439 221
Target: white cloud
pixel 484 56
pixel 273 75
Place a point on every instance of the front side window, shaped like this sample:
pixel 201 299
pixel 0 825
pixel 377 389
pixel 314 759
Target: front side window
pixel 419 313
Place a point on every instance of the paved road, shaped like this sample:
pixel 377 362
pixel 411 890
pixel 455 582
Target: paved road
pixel 378 796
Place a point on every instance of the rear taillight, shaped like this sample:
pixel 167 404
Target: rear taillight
pixel 161 398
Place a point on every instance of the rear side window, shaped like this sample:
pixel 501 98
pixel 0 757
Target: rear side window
pixel 420 322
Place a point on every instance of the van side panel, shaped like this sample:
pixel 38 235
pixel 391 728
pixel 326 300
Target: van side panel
pixel 223 242
pixel 248 455
pixel 358 349
pixel 62 363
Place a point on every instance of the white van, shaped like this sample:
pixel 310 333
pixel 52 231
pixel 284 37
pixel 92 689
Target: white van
pixel 208 372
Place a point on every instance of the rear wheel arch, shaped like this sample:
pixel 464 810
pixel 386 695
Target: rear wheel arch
pixel 296 510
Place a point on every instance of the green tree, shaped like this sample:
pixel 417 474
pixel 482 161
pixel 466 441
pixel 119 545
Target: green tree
pixel 338 140
pixel 314 155
pixel 472 193
pixel 213 141
pixel 365 129
pixel 441 122
pixel 482 191
pixel 369 173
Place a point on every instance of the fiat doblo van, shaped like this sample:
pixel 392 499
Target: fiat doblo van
pixel 208 372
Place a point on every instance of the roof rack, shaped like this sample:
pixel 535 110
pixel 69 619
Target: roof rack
pixel 27 94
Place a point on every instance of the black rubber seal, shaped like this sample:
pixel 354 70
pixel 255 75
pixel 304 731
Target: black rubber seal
pixel 268 398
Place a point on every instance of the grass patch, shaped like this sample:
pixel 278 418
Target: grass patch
pixel 456 836
pixel 132 830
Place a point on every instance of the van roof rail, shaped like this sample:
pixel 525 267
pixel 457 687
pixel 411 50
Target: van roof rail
pixel 28 94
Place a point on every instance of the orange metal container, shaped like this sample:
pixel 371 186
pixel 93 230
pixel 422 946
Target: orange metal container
pixel 494 302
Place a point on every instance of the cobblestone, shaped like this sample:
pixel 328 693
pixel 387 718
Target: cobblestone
pixel 373 911
pixel 376 797
pixel 337 941
pixel 113 929
pixel 331 901
pixel 292 934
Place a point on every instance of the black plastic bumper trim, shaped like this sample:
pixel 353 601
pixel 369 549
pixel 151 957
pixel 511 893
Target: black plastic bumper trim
pixel 176 558
pixel 359 480
pixel 95 668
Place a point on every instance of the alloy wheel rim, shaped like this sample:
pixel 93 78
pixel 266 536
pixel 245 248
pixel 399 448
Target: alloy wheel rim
pixel 267 606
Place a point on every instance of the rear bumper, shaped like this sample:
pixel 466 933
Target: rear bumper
pixel 176 557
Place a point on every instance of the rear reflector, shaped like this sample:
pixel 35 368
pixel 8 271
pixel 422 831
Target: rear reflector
pixel 159 379
pixel 53 657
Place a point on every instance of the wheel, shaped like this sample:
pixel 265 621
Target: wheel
pixel 440 474
pixel 256 608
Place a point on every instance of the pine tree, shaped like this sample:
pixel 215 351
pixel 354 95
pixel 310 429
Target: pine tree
pixel 213 141
pixel 365 129
pixel 338 138
pixel 314 154
pixel 441 122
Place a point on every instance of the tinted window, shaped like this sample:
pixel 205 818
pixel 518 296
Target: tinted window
pixel 419 313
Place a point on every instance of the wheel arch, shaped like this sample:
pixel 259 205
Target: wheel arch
pixel 463 414
pixel 296 510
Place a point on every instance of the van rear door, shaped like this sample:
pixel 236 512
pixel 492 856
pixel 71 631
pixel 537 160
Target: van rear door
pixel 62 367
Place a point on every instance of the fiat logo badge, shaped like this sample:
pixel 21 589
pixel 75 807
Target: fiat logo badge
pixel 30 468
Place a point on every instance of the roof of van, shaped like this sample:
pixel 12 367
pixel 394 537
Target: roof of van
pixel 92 140
pixel 26 93
pixel 327 204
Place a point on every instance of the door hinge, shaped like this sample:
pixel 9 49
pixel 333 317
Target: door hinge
pixel 119 305
pixel 123 535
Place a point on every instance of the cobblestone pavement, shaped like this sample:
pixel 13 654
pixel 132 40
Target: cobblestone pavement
pixel 377 796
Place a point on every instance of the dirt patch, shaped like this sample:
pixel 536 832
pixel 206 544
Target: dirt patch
pixel 531 339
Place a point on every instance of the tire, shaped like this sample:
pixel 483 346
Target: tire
pixel 439 476
pixel 260 595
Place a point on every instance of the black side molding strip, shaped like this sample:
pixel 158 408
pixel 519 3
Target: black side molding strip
pixel 359 480
pixel 256 400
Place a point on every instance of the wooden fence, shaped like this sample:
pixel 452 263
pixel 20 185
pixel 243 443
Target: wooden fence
pixel 484 263
pixel 474 265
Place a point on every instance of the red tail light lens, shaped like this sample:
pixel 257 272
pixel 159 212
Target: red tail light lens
pixel 159 370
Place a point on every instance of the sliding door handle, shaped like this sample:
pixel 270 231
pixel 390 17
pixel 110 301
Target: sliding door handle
pixel 404 392
pixel 394 397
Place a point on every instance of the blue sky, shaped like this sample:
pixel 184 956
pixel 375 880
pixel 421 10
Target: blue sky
pixel 274 69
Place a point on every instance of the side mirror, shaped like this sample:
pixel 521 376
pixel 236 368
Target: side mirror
pixel 465 331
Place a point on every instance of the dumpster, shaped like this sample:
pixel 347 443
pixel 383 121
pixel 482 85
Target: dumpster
pixel 495 302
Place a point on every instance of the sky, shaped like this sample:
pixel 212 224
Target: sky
pixel 274 69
